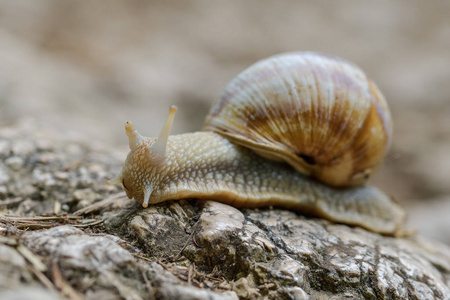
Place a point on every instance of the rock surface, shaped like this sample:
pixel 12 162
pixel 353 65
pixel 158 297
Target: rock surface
pixel 66 235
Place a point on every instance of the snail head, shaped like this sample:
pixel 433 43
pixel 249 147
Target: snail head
pixel 143 162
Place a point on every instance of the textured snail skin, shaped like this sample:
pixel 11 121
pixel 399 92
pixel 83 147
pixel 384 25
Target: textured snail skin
pixel 205 165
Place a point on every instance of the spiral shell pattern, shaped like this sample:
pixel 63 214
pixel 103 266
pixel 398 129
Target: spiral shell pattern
pixel 319 113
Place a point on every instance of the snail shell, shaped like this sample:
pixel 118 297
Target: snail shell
pixel 319 113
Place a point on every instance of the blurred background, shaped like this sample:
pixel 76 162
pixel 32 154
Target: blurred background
pixel 80 69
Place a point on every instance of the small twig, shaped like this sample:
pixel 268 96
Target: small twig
pixel 39 222
pixel 195 242
pixel 88 224
pixel 39 218
pixel 42 278
pixel 34 260
pixel 65 288
pixel 187 241
pixel 33 226
pixel 213 278
pixel 99 205
pixel 143 257
pixel 191 266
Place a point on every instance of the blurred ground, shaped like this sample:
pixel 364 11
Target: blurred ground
pixel 80 69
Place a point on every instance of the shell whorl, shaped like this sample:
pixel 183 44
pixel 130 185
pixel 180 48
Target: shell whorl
pixel 319 113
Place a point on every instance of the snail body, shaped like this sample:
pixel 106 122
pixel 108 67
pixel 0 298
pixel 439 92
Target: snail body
pixel 285 109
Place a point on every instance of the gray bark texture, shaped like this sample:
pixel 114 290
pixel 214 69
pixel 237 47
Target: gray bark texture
pixel 66 235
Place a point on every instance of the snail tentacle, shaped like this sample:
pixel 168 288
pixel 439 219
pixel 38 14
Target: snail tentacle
pixel 134 137
pixel 147 193
pixel 158 150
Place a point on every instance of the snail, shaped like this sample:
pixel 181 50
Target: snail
pixel 302 131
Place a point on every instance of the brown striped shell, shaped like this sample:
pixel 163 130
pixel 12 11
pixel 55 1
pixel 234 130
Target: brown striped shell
pixel 319 113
